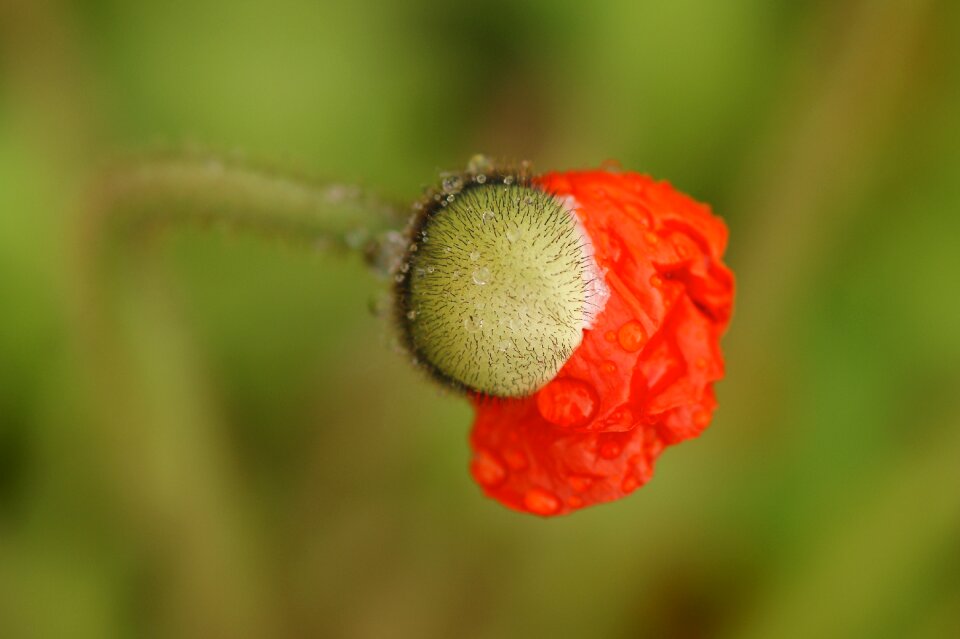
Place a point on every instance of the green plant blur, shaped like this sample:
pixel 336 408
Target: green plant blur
pixel 285 473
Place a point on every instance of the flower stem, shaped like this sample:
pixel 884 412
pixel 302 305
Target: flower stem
pixel 134 199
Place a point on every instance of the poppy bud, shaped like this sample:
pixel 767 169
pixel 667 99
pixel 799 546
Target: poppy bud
pixel 581 312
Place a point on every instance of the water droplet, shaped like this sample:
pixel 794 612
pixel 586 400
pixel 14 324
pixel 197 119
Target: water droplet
pixel 472 324
pixel 701 363
pixel 504 346
pixel 541 502
pixel 481 276
pixel 508 180
pixel 515 458
pixel 398 277
pixel 656 281
pixel 481 178
pixel 608 367
pixel 651 238
pixel 450 198
pixel 567 402
pixel 610 449
pixel 512 235
pixel 452 184
pixel 610 336
pixel 486 469
pixel 701 418
pixel 430 269
pixel 619 420
pixel 411 315
pixel 405 267
pixel 474 256
pixel 630 483
pixel 488 216
pixel 631 336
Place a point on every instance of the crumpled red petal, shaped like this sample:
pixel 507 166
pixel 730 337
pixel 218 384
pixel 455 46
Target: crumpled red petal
pixel 642 379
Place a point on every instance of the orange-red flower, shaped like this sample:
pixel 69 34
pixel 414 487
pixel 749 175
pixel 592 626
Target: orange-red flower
pixel 642 379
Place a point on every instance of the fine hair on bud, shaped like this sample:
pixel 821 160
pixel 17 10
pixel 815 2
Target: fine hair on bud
pixel 497 283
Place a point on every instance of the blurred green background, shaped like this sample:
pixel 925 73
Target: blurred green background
pixel 281 472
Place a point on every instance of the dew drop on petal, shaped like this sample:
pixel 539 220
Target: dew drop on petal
pixel 567 402
pixel 620 419
pixel 515 458
pixel 610 449
pixel 541 502
pixel 474 256
pixel 487 470
pixel 488 216
pixel 631 336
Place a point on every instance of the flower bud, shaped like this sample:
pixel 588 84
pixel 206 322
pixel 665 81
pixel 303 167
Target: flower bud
pixel 497 284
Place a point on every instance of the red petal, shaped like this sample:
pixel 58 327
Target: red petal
pixel 643 376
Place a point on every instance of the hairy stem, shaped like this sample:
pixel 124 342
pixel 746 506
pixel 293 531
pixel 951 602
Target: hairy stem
pixel 148 194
